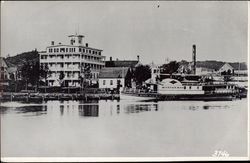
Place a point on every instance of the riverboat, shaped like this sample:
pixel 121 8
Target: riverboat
pixel 172 89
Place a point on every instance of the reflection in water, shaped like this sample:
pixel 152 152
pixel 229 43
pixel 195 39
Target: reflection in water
pixel 85 125
pixel 35 110
pixel 137 108
pixel 118 109
pixel 206 107
pixel 89 110
pixel 61 109
pixel 3 109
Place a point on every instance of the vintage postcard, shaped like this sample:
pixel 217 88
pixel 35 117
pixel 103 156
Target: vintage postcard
pixel 124 81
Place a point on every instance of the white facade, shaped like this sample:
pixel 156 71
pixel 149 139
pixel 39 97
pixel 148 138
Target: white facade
pixel 172 86
pixel 226 67
pixel 71 60
pixel 111 83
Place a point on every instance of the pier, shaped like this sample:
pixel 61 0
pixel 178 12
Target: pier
pixel 7 96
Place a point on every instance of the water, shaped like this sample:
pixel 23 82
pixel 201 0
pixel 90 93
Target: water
pixel 123 128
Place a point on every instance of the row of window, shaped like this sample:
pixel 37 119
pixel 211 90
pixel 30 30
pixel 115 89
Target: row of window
pixel 70 65
pixel 104 82
pixel 110 82
pixel 71 56
pixel 191 87
pixel 57 50
pixel 73 74
pixel 182 87
pixel 89 51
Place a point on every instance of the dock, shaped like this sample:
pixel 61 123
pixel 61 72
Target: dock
pixel 7 96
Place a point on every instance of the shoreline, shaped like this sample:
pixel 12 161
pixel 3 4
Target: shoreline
pixel 18 96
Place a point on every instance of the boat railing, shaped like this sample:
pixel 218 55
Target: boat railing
pixel 136 91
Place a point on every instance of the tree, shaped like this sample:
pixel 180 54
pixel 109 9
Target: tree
pixel 34 73
pixel 30 72
pixel 44 73
pixel 61 77
pixel 87 75
pixel 170 68
pixel 129 78
pixel 25 73
pixel 142 73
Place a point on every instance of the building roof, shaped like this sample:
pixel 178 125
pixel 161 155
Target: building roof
pixel 124 63
pixel 113 72
pixel 3 62
pixel 239 66
pixel 216 65
pixel 82 46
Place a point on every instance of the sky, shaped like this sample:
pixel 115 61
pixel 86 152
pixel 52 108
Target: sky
pixel 126 29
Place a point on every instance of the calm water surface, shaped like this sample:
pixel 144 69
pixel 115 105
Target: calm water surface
pixel 123 128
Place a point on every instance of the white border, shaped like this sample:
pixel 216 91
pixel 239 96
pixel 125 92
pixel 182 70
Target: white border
pixel 140 159
pixel 115 159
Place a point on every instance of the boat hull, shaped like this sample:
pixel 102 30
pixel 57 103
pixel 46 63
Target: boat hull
pixel 174 97
pixel 135 97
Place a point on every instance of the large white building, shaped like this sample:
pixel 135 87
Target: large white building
pixel 71 60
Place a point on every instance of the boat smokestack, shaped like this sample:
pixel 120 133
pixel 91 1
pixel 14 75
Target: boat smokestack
pixel 194 60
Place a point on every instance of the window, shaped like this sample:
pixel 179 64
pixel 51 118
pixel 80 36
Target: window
pixel 62 49
pixel 99 53
pixel 66 49
pixel 189 87
pixel 111 82
pixel 104 81
pixel 184 87
pixel 197 87
pixel 80 49
pixel 83 50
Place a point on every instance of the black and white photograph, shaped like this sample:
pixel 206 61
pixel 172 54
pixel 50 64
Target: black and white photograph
pixel 124 81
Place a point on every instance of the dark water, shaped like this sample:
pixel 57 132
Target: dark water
pixel 123 128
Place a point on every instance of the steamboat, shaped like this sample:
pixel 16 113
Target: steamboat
pixel 172 89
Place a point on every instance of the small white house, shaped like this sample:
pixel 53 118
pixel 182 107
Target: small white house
pixel 110 76
pixel 226 67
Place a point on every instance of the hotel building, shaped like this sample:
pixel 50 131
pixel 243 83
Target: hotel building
pixel 71 60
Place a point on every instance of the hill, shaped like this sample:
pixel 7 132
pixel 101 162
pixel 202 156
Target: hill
pixel 213 64
pixel 20 59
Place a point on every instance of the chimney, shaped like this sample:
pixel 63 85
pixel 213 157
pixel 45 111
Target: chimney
pixel 117 59
pixel 52 42
pixel 138 58
pixel 194 59
pixel 87 45
pixel 110 58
